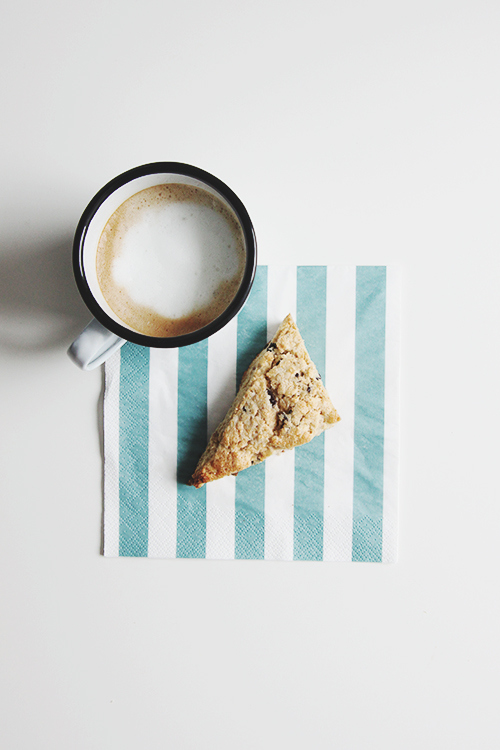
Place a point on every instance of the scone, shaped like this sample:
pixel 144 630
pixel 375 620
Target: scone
pixel 281 403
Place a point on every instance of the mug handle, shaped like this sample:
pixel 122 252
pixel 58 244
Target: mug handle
pixel 93 346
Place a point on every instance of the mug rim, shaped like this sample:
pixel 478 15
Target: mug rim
pixel 167 342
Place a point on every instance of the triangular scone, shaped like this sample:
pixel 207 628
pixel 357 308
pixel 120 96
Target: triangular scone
pixel 281 403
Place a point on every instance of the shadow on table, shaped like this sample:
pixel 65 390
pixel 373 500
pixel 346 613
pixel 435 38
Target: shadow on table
pixel 40 307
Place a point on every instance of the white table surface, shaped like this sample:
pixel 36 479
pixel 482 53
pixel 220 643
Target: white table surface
pixel 355 132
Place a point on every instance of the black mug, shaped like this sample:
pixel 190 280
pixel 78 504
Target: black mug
pixel 107 331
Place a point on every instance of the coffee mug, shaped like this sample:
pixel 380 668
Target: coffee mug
pixel 164 256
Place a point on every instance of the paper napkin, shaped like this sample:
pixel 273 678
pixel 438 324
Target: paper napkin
pixel 333 499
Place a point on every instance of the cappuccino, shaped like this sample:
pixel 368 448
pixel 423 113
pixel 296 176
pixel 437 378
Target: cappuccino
pixel 170 259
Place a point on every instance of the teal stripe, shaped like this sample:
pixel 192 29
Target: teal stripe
pixel 250 484
pixel 369 414
pixel 252 324
pixel 134 450
pixel 191 442
pixel 310 458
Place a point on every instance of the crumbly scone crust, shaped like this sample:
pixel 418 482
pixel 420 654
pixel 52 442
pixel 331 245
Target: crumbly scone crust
pixel 281 403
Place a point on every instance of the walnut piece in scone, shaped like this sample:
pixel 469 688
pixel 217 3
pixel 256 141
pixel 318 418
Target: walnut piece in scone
pixel 281 403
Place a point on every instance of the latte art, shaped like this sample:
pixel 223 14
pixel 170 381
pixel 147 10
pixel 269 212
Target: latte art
pixel 170 260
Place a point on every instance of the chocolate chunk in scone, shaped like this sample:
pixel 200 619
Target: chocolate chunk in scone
pixel 281 403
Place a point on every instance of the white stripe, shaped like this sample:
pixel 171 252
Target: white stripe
pixel 391 414
pixel 280 470
pixel 339 440
pixel 111 414
pixel 220 519
pixel 163 372
pixel 281 296
pixel 221 389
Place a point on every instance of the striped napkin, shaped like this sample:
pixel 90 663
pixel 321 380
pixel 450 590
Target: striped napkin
pixel 334 498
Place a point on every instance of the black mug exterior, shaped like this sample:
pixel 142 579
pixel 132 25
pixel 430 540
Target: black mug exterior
pixel 250 264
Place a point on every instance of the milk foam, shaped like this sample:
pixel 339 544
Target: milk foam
pixel 170 253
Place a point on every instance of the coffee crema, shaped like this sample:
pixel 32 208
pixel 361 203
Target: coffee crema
pixel 170 260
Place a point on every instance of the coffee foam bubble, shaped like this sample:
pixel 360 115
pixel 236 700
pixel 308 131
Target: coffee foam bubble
pixel 170 259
